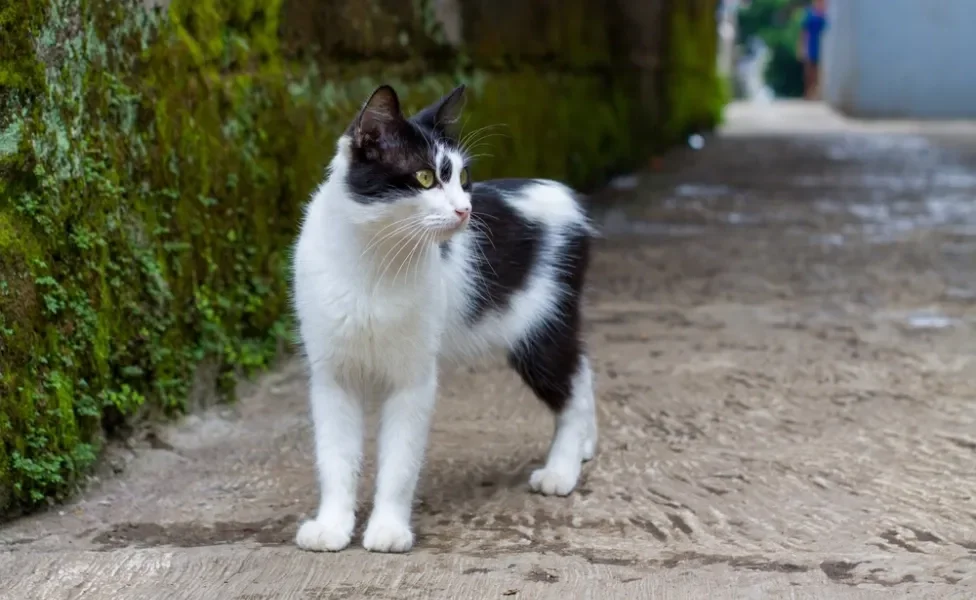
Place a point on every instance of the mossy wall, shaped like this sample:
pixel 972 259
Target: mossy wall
pixel 154 165
pixel 694 92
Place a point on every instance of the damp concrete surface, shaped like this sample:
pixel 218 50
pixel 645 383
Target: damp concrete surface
pixel 781 325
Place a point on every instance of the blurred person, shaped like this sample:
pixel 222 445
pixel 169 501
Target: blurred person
pixel 814 24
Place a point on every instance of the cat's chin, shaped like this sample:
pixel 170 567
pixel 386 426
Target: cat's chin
pixel 443 233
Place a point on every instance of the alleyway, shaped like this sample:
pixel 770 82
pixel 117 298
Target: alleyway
pixel 783 330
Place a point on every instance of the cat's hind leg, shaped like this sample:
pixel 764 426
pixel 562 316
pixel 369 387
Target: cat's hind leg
pixel 558 371
pixel 585 387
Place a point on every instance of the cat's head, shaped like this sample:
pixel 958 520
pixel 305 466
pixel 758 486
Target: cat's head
pixel 408 170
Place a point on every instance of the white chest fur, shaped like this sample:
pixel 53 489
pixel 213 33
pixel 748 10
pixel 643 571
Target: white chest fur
pixel 365 329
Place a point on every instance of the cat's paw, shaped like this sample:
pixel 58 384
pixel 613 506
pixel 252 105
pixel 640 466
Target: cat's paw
pixel 553 482
pixel 387 534
pixel 589 449
pixel 325 534
pixel 590 439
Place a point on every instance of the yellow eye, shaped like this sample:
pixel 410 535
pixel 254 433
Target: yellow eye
pixel 464 176
pixel 425 177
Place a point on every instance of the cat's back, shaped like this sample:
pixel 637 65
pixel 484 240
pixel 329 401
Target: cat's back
pixel 528 203
pixel 525 254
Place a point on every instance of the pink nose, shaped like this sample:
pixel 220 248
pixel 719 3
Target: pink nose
pixel 462 213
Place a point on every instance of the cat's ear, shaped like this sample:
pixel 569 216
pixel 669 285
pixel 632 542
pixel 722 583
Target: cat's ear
pixel 378 118
pixel 442 116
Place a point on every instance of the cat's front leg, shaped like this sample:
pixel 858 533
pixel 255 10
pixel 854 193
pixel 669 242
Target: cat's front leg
pixel 404 426
pixel 338 419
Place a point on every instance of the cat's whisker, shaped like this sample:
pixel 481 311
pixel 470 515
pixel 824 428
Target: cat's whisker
pixel 477 156
pixel 481 149
pixel 475 146
pixel 467 138
pixel 425 243
pixel 403 225
pixel 399 247
pixel 399 231
pixel 480 228
pixel 486 231
pixel 482 139
pixel 406 219
pixel 478 149
pixel 416 243
pixel 488 263
pixel 475 143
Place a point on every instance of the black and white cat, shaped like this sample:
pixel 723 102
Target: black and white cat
pixel 403 262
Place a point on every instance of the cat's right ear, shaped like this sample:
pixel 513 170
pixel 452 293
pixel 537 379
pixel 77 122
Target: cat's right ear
pixel 442 116
pixel 378 118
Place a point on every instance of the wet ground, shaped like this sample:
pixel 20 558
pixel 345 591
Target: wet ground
pixel 782 328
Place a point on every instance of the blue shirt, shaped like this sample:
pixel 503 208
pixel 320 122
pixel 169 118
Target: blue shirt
pixel 814 24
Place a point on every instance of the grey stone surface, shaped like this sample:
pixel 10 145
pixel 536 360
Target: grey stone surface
pixel 782 329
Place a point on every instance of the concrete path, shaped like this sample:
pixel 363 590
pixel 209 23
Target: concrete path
pixel 782 328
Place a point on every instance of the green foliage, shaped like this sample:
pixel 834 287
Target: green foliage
pixel 154 168
pixel 20 70
pixel 778 24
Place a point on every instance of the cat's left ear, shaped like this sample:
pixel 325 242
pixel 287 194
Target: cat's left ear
pixel 442 116
pixel 379 117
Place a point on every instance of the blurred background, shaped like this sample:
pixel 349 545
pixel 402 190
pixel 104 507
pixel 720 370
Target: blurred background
pixel 763 205
pixel 867 59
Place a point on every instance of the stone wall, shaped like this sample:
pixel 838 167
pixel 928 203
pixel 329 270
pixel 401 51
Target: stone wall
pixel 155 157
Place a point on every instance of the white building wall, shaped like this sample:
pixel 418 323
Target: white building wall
pixel 901 58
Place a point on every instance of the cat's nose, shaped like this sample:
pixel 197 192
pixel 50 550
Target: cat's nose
pixel 462 213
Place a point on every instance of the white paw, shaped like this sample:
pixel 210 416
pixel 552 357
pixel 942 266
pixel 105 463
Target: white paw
pixel 551 481
pixel 589 449
pixel 386 534
pixel 325 535
pixel 590 439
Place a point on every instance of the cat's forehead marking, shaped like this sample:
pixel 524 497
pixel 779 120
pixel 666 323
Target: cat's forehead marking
pixel 448 164
pixel 457 159
pixel 439 156
pixel 457 162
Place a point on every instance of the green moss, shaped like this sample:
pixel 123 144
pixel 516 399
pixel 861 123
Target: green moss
pixel 8 235
pixel 695 93
pixel 563 35
pixel 155 168
pixel 538 124
pixel 20 70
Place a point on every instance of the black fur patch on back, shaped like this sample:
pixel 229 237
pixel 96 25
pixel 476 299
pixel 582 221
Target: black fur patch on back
pixel 507 249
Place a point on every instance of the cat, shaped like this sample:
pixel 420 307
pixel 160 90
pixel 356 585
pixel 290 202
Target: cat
pixel 403 262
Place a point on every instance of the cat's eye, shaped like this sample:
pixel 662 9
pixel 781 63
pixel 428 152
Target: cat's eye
pixel 464 176
pixel 425 177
